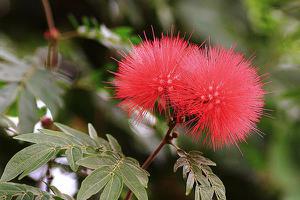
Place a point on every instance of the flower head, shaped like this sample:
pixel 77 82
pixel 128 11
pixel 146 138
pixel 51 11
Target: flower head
pixel 149 73
pixel 222 96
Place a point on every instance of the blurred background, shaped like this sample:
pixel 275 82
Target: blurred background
pixel 265 168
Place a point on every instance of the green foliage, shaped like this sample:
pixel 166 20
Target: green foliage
pixel 118 38
pixel 58 194
pixel 74 154
pixel 27 82
pixel 28 111
pixel 8 94
pixel 6 123
pixel 126 32
pixel 22 192
pixel 28 160
pixel 197 171
pixel 112 169
pixel 259 12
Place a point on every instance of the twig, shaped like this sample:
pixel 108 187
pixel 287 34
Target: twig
pixel 49 177
pixel 166 140
pixel 68 35
pixel 49 15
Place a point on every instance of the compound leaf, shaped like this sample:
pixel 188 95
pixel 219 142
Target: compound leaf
pixel 28 112
pixel 74 154
pixel 196 168
pixel 93 183
pixel 113 189
pixel 8 94
pixel 27 160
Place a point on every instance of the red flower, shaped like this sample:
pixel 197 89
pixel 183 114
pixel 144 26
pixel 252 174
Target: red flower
pixel 221 96
pixel 149 73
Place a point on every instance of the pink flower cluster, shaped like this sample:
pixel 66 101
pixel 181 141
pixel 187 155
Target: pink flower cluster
pixel 215 90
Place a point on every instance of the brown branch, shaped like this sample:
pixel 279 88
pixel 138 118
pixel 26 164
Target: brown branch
pixel 68 35
pixel 49 15
pixel 166 140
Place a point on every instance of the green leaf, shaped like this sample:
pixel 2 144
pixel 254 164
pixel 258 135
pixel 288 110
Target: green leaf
pixel 93 183
pixel 113 189
pixel 115 146
pixel 180 162
pixel 104 35
pixel 43 86
pixel 201 179
pixel 140 173
pixel 206 192
pixel 11 68
pixel 181 153
pixel 127 169
pixel 8 94
pixel 100 141
pixel 196 168
pixel 55 190
pixel 132 161
pixel 123 31
pixel 90 150
pixel 217 186
pixel 73 155
pixel 112 168
pixel 5 122
pixel 84 138
pixel 28 112
pixel 185 171
pixel 132 182
pixel 27 160
pixel 189 183
pixel 21 191
pixel 92 131
pixel 73 21
pixel 220 193
pixel 38 83
pixel 197 156
pixel 8 57
pixel 197 192
pixel 60 194
pixel 69 139
pixel 41 138
pixel 10 188
pixel 11 73
pixel 96 161
pixel 40 159
pixel 25 196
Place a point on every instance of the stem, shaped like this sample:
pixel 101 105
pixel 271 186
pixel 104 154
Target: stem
pixel 166 140
pixel 68 35
pixel 49 177
pixel 52 56
pixel 48 13
pixel 175 146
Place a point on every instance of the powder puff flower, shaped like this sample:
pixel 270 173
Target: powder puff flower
pixel 221 96
pixel 149 73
